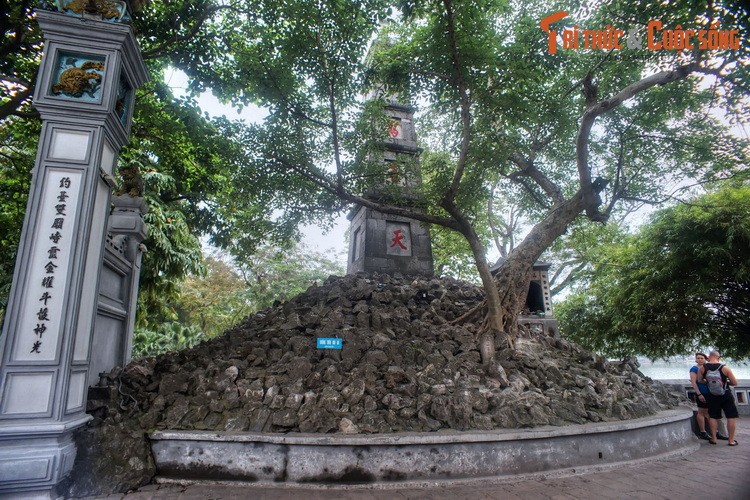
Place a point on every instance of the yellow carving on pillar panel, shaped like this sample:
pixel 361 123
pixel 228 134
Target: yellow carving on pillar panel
pixel 105 8
pixel 77 81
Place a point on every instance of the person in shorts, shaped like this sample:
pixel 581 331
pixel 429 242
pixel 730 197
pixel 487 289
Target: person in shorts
pixel 719 403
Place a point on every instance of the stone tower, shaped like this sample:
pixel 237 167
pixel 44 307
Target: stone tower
pixel 385 243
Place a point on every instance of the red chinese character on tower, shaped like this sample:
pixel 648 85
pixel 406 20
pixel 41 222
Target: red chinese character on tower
pixel 398 236
pixel 394 128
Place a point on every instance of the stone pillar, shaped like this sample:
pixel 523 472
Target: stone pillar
pixel 126 224
pixel 89 71
pixel 385 243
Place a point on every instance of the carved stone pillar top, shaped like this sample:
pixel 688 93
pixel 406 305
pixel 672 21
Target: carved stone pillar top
pixel 125 203
pixel 126 224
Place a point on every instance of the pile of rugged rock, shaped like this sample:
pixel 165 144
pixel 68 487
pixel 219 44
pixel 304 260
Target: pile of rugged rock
pixel 404 366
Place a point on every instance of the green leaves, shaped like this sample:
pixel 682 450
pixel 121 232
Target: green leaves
pixel 164 338
pixel 173 252
pixel 276 274
pixel 500 118
pixel 208 303
pixel 17 152
pixel 682 282
pixel 214 301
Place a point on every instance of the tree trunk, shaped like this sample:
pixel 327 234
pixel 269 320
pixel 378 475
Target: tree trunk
pixel 512 279
pixel 544 233
pixel 505 293
pixel 493 325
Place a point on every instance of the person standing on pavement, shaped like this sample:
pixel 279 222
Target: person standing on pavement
pixel 701 399
pixel 701 395
pixel 719 403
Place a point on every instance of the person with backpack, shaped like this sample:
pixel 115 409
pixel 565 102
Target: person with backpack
pixel 718 378
pixel 700 390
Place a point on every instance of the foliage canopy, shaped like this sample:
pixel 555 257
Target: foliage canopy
pixel 582 132
pixel 210 303
pixel 681 283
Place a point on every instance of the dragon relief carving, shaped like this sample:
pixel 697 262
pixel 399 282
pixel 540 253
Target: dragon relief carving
pixel 76 81
pixel 108 9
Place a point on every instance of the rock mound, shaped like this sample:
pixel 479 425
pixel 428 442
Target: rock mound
pixel 403 367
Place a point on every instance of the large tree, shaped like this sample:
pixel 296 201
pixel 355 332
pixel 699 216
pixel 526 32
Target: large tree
pixel 579 132
pixel 681 283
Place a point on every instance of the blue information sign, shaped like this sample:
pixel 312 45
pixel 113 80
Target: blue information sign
pixel 330 343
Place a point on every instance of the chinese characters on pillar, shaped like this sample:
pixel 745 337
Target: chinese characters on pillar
pixel 52 247
pixel 47 284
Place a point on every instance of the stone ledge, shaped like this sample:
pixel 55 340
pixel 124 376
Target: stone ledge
pixel 404 457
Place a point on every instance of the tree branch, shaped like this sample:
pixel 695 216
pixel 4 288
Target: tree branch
pixel 287 104
pixel 509 227
pixel 490 219
pixel 11 106
pixel 528 169
pixel 335 133
pixel 537 198
pixel 568 278
pixel 463 95
pixel 162 48
pixel 319 179
pixel 12 44
pixel 619 175
pixel 598 109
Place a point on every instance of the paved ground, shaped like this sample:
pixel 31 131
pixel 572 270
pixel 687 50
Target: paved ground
pixel 726 469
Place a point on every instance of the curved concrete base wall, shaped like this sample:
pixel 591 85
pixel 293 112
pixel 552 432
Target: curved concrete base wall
pixel 361 459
